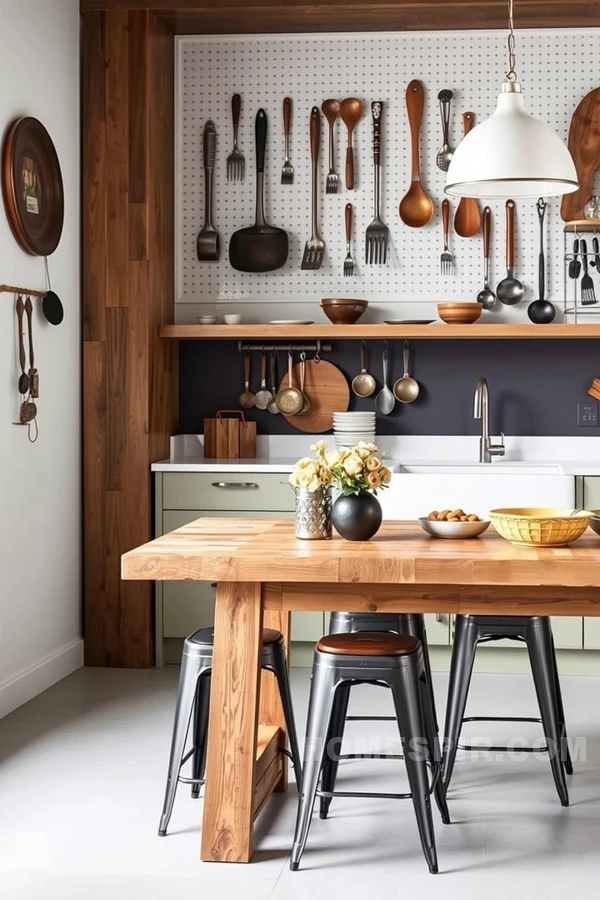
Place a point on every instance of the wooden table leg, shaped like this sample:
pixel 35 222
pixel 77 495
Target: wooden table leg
pixel 231 755
pixel 271 711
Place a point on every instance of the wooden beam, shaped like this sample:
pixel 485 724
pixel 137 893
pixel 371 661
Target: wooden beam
pixel 129 374
pixel 273 16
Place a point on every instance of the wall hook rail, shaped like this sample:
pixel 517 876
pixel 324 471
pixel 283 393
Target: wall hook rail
pixel 316 347
pixel 11 289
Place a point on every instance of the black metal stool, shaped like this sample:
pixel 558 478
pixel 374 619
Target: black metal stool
pixel 347 623
pixel 343 660
pixel 193 697
pixel 536 633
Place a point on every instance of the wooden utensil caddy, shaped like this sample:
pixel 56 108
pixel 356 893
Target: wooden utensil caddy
pixel 229 438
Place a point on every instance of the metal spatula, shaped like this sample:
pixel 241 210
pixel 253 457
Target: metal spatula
pixel 315 246
pixel 588 293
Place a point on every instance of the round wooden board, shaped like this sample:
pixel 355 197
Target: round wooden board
pixel 32 186
pixel 328 391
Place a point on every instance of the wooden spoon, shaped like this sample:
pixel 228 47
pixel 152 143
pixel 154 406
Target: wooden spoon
pixel 467 221
pixel 416 207
pixel 351 110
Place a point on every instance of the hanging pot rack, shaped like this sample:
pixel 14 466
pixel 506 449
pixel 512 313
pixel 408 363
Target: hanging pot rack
pixel 11 289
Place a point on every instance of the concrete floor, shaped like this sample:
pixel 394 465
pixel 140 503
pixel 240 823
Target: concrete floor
pixel 82 771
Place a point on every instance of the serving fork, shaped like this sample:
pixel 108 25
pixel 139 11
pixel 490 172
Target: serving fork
pixel 349 261
pixel 446 259
pixel 377 234
pixel 236 164
pixel 287 173
pixel 315 245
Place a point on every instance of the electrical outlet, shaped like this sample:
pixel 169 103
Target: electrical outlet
pixel 587 415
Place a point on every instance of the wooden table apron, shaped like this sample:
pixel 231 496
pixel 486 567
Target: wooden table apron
pixel 400 571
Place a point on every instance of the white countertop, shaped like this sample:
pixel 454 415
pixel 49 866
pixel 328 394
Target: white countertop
pixel 278 453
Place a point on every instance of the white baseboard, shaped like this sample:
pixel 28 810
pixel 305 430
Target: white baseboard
pixel 39 677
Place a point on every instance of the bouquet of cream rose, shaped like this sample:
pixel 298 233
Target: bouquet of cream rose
pixel 312 474
pixel 356 470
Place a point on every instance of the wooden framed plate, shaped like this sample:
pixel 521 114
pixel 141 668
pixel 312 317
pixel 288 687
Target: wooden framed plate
pixel 32 186
pixel 408 321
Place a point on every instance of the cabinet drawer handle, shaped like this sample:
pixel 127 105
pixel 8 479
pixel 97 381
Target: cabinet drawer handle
pixel 235 485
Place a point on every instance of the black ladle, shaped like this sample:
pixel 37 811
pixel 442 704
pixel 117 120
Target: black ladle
pixel 51 303
pixel 541 311
pixel 23 377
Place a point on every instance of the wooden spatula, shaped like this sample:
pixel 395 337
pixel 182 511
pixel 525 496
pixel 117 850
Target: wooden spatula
pixel 467 220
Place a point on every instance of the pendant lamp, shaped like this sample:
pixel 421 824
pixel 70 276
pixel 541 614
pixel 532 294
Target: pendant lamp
pixel 511 154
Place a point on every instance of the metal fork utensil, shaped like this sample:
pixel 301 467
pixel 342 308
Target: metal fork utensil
pixel 236 164
pixel 314 248
pixel 287 173
pixel 377 234
pixel 446 259
pixel 349 261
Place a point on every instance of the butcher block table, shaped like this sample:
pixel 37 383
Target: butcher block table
pixel 263 572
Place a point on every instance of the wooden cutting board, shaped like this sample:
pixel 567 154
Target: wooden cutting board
pixel 584 144
pixel 328 391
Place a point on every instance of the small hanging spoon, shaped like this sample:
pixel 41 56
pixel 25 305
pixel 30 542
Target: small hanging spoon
pixel 23 377
pixel 385 400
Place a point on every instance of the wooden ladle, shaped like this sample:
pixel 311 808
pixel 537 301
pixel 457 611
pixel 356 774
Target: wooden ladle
pixel 467 221
pixel 351 110
pixel 416 207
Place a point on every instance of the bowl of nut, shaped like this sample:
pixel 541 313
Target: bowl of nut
pixel 454 524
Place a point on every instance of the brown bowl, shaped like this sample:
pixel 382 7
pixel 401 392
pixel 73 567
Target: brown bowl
pixel 459 313
pixel 343 311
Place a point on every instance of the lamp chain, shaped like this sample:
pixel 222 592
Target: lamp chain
pixel 511 75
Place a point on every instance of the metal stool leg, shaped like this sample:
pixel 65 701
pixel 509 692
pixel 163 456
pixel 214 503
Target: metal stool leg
pixel 320 705
pixel 186 692
pixel 405 690
pixel 539 645
pixel 335 736
pixel 280 670
pixel 461 669
pixel 419 631
pixel 433 744
pixel 565 753
pixel 201 709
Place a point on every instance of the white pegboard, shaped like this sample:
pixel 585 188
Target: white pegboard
pixel 373 66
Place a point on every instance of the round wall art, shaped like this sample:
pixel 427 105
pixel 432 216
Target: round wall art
pixel 32 186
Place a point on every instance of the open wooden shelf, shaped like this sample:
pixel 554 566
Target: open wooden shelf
pixel 325 331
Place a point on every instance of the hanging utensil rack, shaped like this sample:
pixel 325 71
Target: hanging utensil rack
pixel 317 347
pixel 27 292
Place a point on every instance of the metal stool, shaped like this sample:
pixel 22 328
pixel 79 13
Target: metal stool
pixel 536 633
pixel 342 660
pixel 193 696
pixel 347 623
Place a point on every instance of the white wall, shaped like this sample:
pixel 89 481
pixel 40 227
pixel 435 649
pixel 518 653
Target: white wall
pixel 40 495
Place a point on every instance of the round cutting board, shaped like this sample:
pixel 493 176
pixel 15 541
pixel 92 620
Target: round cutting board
pixel 328 391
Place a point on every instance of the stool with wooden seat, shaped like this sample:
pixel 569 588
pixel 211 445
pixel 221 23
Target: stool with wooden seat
pixel 536 633
pixel 341 661
pixel 412 624
pixel 193 699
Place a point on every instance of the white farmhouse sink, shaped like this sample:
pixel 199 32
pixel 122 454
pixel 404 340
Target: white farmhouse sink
pixel 418 489
pixel 470 468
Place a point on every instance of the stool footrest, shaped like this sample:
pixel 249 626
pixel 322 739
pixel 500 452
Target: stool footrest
pixel 370 756
pixel 470 748
pixel 370 719
pixel 502 719
pixel 376 796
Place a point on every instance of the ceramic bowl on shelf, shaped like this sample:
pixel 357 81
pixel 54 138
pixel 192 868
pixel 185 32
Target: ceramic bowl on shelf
pixel 343 310
pixel 540 526
pixel 459 313
pixel 456 531
pixel 207 320
pixel 233 319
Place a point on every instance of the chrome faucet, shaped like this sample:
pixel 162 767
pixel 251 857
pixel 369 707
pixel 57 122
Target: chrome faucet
pixel 481 410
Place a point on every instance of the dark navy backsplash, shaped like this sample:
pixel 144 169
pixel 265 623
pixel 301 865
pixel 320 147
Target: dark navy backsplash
pixel 535 386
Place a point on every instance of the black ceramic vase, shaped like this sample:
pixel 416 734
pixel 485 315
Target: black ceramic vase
pixel 357 517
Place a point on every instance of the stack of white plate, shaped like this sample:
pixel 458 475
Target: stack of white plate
pixel 351 427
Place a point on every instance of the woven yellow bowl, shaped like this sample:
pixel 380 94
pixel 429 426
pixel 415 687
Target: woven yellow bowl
pixel 540 526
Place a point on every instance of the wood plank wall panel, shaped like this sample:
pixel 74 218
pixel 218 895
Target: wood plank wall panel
pixel 129 373
pixel 258 16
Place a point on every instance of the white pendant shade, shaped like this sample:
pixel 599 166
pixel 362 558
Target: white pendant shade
pixel 511 154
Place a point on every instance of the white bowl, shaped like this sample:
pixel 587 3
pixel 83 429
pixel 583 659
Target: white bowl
pixel 233 319
pixel 454 530
pixel 207 320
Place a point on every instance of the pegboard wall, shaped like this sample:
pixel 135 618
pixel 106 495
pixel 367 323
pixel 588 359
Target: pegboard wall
pixel 555 68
